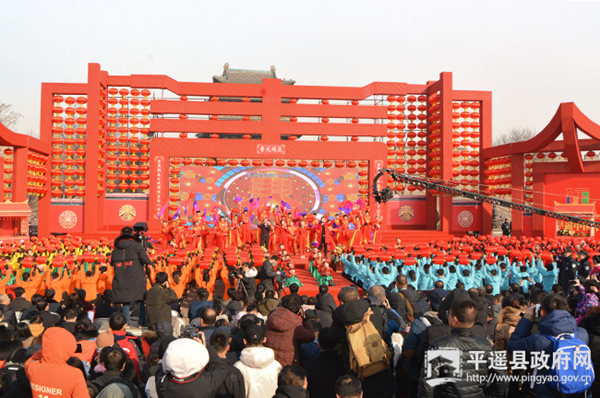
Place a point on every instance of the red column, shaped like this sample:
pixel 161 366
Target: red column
pixel 44 203
pixel 19 193
pixel 485 141
pixel 518 185
pixel 91 208
pixel 446 133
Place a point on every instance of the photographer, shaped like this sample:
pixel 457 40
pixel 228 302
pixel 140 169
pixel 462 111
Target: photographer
pixel 129 283
pixel 159 299
pixel 247 276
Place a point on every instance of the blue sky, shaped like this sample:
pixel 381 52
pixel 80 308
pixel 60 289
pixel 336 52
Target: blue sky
pixel 532 54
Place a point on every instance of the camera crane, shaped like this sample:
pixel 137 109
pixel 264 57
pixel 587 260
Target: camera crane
pixel 444 187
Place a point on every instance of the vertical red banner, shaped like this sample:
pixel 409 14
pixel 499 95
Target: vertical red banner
pixel 159 169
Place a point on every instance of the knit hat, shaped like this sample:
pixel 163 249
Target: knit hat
pixel 105 339
pixel 177 358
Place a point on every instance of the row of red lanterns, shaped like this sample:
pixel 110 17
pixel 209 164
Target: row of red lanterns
pixel 8 172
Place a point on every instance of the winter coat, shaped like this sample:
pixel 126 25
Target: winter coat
pixel 267 275
pixel 507 321
pixel 128 259
pixel 233 386
pixel 328 366
pixel 380 385
pixel 465 341
pixel 260 371
pixel 158 303
pixel 267 305
pixel 284 330
pixel 325 308
pixel 196 308
pixel 47 369
pixel 110 377
pixel 204 384
pixel 286 391
pixel 592 325
pixel 554 324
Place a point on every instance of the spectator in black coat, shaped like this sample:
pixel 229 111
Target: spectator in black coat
pixel 20 303
pixel 9 313
pixel 197 306
pixel 328 366
pixel 206 323
pixel 591 323
pixel 233 386
pixel 325 307
pixel 267 273
pixel 291 383
pixel 129 282
pixel 49 319
pixel 114 363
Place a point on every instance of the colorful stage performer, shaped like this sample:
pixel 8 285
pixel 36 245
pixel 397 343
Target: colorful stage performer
pixel 245 228
pixel 165 235
pixel 180 237
pixel 325 275
pixel 196 234
pixel 221 230
pixel 290 276
pixel 234 229
pixel 302 238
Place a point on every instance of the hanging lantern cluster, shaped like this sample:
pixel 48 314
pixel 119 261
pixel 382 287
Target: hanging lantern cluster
pixel 174 180
pixel 396 135
pixel 36 174
pixel 126 158
pixel 528 170
pixel 102 135
pixel 183 116
pixel 416 144
pixel 499 176
pixel 435 136
pixel 363 179
pixel 9 161
pixel 465 143
pixel 68 146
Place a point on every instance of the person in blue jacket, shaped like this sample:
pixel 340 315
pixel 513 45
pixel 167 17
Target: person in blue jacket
pixel 555 320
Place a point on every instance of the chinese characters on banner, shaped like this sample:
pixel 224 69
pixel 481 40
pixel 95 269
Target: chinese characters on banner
pixel 159 163
pixel 270 149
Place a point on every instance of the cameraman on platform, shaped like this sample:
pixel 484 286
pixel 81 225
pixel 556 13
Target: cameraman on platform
pixel 159 299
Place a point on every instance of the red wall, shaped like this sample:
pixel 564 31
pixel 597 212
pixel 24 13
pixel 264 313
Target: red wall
pixel 410 211
pixel 125 211
pixel 66 218
pixel 466 216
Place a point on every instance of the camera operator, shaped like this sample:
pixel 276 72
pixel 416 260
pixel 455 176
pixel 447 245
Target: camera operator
pixel 159 299
pixel 247 275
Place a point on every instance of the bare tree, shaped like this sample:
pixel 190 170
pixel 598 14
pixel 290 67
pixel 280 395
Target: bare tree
pixel 515 134
pixel 8 117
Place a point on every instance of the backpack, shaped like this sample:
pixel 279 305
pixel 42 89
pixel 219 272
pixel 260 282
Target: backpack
pixel 369 354
pixel 573 379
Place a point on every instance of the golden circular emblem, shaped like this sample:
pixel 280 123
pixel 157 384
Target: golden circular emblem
pixel 127 212
pixel 406 213
pixel 465 219
pixel 67 219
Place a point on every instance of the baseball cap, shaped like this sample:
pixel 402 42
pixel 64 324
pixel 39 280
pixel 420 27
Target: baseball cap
pixel 255 334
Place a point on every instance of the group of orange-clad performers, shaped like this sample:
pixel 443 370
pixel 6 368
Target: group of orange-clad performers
pixel 194 252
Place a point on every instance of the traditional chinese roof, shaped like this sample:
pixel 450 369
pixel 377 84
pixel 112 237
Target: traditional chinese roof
pixel 10 209
pixel 248 76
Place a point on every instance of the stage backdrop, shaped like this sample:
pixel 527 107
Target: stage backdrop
pixel 303 189
pixel 573 194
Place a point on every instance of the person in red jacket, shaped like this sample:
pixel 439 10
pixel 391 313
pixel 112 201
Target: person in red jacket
pixel 48 372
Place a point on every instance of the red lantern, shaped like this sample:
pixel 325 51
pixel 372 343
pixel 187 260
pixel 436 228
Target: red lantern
pixel 327 164
pixel 324 138
pixel 268 163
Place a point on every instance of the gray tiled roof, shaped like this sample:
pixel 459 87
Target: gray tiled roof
pixel 247 76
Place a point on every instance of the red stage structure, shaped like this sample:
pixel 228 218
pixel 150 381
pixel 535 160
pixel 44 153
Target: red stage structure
pixel 125 149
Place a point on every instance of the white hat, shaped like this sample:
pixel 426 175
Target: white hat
pixel 184 357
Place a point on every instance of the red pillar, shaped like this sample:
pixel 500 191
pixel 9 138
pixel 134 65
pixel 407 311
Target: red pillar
pixel 44 202
pixel 485 141
pixel 518 186
pixel 19 193
pixel 91 208
pixel 446 133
